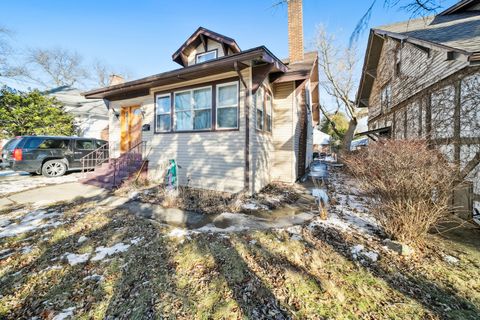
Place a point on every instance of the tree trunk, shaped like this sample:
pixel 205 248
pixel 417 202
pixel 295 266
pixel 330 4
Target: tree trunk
pixel 347 140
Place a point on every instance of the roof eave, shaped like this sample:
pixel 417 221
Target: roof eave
pixel 457 7
pixel 140 86
pixel 358 102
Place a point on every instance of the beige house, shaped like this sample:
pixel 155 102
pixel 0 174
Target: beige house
pixel 232 119
pixel 421 79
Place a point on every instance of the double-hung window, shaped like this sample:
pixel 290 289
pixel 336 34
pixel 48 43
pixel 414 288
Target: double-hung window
pixel 193 109
pixel 227 105
pixel 260 105
pixel 163 111
pixel 269 107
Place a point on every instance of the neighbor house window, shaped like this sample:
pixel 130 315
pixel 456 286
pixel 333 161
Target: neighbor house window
pixel 193 109
pixel 163 112
pixel 227 105
pixel 269 107
pixel 386 97
pixel 260 103
pixel 206 56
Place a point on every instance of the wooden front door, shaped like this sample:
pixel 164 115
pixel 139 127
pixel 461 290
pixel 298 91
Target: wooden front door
pixel 131 127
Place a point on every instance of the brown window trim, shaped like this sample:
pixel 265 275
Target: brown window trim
pixel 197 54
pixel 266 91
pixel 214 85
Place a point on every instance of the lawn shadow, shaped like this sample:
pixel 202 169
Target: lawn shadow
pixel 441 302
pixel 68 286
pixel 253 296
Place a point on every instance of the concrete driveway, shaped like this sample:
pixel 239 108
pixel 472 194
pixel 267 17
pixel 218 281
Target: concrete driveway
pixel 45 195
pixel 12 182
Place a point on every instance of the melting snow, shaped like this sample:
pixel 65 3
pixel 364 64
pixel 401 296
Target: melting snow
pixel 64 314
pixel 254 206
pixel 102 252
pixel 27 249
pixel 178 233
pixel 27 183
pixel 356 249
pixel 351 210
pixel 136 240
pixel 94 277
pixel 74 259
pixel 54 267
pixel 359 250
pixel 82 239
pixel 31 221
pixel 320 195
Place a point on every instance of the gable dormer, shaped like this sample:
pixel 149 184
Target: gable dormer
pixel 204 45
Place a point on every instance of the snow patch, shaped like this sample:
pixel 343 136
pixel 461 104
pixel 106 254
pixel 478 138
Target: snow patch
pixel 450 259
pixel 54 267
pixel 94 277
pixel 254 206
pixel 74 259
pixel 358 251
pixel 103 252
pixel 34 220
pixel 136 240
pixel 211 228
pixel 27 183
pixel 27 249
pixel 82 239
pixel 178 233
pixel 320 194
pixel 64 314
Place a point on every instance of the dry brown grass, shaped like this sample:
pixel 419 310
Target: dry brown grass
pixel 410 183
pixel 214 202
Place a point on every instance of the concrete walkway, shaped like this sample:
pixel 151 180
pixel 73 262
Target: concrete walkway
pixel 50 194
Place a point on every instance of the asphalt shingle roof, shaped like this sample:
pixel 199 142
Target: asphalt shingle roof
pixel 460 31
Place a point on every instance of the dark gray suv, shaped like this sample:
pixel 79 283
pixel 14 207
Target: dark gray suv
pixel 49 155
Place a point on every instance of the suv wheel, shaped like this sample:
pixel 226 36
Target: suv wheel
pixel 54 168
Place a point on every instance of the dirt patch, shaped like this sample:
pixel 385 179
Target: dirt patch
pixel 209 202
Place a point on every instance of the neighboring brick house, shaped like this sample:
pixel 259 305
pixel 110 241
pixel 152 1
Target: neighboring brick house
pixel 232 119
pixel 421 79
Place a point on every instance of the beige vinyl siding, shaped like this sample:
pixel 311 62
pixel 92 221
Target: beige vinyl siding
pixel 284 132
pixel 309 155
pixel 262 151
pixel 297 102
pixel 209 160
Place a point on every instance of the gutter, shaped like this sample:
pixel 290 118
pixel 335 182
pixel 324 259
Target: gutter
pixel 258 52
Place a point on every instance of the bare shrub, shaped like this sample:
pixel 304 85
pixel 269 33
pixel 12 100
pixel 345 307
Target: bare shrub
pixel 410 185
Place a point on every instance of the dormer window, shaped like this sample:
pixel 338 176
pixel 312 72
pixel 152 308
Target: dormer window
pixel 204 45
pixel 206 56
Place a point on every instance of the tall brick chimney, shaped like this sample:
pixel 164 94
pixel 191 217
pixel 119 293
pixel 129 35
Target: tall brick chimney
pixel 295 30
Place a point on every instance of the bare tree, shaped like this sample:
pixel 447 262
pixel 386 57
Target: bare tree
pixel 337 78
pixel 7 68
pixel 101 73
pixel 57 67
pixel 416 8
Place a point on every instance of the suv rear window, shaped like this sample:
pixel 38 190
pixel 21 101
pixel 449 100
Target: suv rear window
pixel 11 144
pixel 84 144
pixel 32 143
